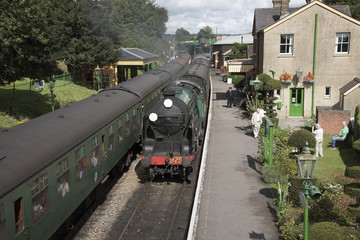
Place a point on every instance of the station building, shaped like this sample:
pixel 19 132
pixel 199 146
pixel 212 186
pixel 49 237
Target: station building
pixel 315 38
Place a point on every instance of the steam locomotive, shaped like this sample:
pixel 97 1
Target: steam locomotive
pixel 174 127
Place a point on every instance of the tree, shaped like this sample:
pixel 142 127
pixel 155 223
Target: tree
pixel 182 34
pixel 354 6
pixel 239 50
pixel 205 32
pixel 25 40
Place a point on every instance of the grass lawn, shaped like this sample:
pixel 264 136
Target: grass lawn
pixel 334 161
pixel 30 104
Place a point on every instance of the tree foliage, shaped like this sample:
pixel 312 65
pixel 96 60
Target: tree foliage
pixel 354 6
pixel 205 32
pixel 182 34
pixel 239 50
pixel 34 34
pixel 25 39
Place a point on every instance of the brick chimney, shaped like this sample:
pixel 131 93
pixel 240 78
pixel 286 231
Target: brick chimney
pixel 283 5
pixel 276 3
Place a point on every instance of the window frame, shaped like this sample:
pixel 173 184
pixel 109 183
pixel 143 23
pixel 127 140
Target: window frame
pixel 328 88
pixel 342 43
pixel 289 46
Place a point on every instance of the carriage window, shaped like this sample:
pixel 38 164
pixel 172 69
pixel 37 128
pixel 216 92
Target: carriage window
pixel 134 119
pixel 95 152
pixel 120 130
pixel 111 138
pixel 127 125
pixel 40 205
pixel 19 221
pixel 138 115
pixel 2 222
pixel 63 185
pixel 63 180
pixel 40 193
pixel 80 163
pixel 39 184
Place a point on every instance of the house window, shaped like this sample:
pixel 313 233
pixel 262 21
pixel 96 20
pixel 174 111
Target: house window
pixel 278 93
pixel 105 80
pixel 342 43
pixel 327 91
pixel 286 44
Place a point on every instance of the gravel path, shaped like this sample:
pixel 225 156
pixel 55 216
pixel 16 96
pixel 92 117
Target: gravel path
pixel 104 222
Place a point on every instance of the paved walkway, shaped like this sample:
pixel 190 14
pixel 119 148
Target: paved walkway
pixel 235 202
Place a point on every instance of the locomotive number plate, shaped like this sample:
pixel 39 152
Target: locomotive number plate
pixel 175 160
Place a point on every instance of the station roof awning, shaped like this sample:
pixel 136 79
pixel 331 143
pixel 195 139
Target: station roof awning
pixel 135 56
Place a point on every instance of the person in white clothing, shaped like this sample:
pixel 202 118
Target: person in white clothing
pixel 256 122
pixel 319 133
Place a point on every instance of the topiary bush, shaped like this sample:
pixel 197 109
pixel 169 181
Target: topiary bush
pixel 326 230
pixel 353 190
pixel 299 138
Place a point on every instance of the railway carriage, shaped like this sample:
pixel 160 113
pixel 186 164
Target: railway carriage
pixel 51 164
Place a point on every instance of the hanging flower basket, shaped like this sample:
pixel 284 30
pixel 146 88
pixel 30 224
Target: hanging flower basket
pixel 309 78
pixel 286 78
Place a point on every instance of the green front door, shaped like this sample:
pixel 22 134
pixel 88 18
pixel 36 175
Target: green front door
pixel 296 102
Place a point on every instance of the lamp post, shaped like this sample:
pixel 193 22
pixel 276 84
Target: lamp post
pixel 307 164
pixel 257 83
pixel 51 85
pixel 97 73
pixel 298 73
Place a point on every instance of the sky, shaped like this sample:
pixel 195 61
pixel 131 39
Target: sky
pixel 223 16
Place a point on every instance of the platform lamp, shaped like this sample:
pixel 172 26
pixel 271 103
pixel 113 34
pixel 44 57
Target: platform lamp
pixel 257 83
pixel 307 164
pixel 97 73
pixel 298 73
pixel 51 84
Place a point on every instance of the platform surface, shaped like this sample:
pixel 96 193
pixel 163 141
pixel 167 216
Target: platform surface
pixel 235 202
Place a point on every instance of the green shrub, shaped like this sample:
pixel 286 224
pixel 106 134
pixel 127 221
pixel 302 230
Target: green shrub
pixel 289 223
pixel 263 77
pixel 326 231
pixel 357 123
pixel 274 174
pixel 238 80
pixel 299 138
pixel 352 172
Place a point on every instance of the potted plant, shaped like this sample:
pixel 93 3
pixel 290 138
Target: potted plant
pixel 309 78
pixel 286 78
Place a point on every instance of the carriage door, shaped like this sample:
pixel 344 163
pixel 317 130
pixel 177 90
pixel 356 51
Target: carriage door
pixel 296 102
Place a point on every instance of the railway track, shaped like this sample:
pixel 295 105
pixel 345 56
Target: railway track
pixel 156 214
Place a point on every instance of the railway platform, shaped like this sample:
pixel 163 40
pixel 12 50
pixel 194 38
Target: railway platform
pixel 234 202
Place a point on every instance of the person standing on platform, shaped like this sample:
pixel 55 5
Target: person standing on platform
pixel 319 133
pixel 229 97
pixel 341 136
pixel 256 122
